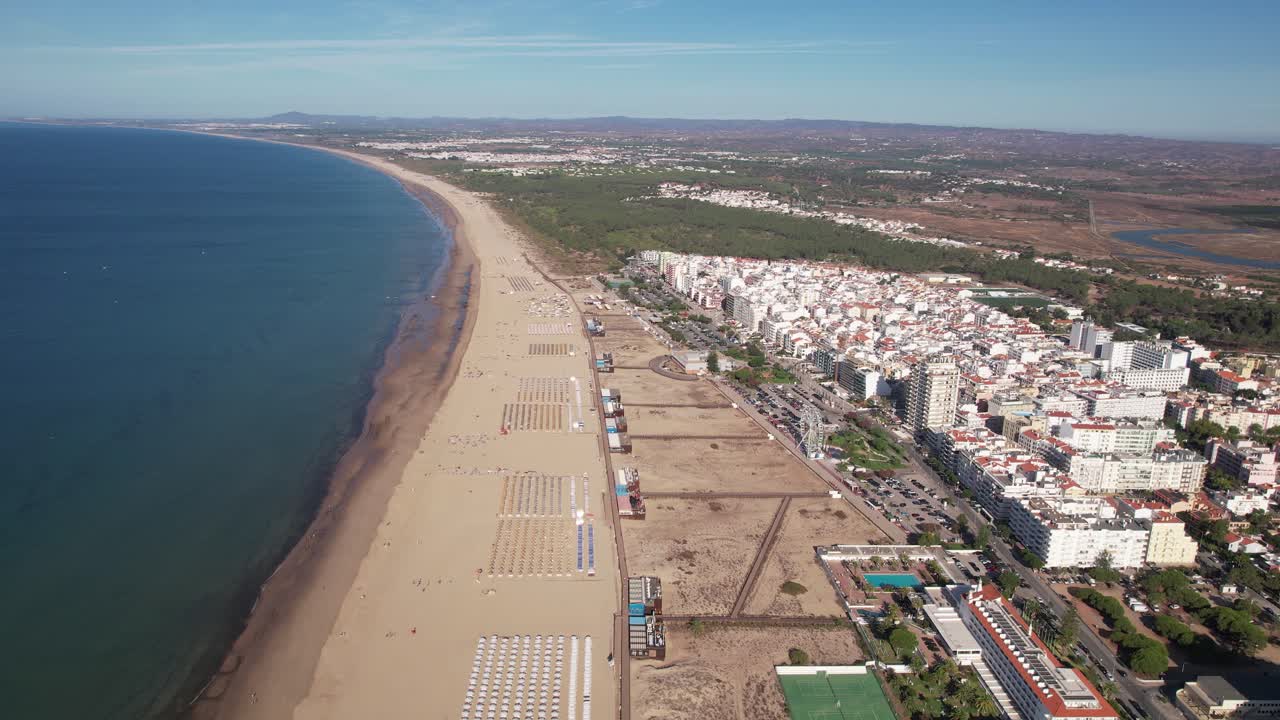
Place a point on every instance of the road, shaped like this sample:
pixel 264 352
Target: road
pixel 1143 695
pixel 907 504
pixel 826 474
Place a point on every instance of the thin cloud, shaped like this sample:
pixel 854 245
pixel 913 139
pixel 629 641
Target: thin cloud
pixel 620 66
pixel 481 46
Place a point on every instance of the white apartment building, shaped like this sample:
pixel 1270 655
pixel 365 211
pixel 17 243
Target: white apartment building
pixel 1028 674
pixel 1143 355
pixel 1110 473
pixel 1159 356
pixel 999 480
pixel 824 357
pixel 1241 503
pixel 746 312
pixel 1162 379
pixel 1074 532
pixel 1123 437
pixel 862 383
pixel 1072 405
pixel 1088 337
pixel 774 330
pixel 1137 404
pixel 933 392
pixel 1117 355
pixel 1243 460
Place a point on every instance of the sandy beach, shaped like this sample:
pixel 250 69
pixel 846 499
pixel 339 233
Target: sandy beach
pixel 452 524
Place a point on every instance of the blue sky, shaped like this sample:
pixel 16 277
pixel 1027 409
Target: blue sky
pixel 1178 69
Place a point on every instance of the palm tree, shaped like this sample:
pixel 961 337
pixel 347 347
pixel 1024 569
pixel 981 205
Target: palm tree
pixel 1108 690
pixel 1031 610
pixel 982 703
pixel 893 614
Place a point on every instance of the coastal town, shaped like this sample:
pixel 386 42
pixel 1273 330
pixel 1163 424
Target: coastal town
pixel 826 487
pixel 882 469
pixel 640 360
pixel 1084 456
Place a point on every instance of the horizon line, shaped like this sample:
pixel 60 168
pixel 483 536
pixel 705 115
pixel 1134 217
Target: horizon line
pixel 1137 134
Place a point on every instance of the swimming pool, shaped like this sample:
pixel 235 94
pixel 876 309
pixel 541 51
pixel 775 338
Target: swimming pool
pixel 900 580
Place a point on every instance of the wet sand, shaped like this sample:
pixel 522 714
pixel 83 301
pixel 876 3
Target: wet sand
pixel 377 611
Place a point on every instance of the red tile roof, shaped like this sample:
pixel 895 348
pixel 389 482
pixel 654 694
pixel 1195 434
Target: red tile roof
pixel 1050 699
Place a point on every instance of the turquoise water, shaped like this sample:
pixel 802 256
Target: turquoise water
pixel 190 327
pixel 900 580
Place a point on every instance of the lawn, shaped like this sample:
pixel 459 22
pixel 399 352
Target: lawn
pixel 872 448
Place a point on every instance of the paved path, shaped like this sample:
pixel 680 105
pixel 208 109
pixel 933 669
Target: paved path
pixel 656 366
pixel 1144 694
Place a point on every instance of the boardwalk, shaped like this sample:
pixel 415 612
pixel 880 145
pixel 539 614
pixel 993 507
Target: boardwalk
pixel 762 556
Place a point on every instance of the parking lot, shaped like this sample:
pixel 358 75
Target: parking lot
pixel 909 499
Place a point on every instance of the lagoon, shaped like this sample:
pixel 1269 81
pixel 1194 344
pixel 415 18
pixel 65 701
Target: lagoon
pixel 1151 239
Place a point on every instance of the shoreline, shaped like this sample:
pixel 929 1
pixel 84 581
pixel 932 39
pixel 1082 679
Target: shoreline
pixel 420 365
pixel 421 568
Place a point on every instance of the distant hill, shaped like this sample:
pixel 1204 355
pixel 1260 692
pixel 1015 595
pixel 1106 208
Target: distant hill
pixel 614 123
pixel 793 128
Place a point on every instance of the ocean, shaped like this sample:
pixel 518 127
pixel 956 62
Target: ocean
pixel 190 327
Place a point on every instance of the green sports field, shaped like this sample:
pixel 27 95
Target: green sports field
pixel 834 697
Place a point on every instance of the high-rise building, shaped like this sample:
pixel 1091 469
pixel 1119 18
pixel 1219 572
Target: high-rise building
pixel 1088 338
pixel 933 391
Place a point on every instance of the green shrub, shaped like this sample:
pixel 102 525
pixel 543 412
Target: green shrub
pixel 792 587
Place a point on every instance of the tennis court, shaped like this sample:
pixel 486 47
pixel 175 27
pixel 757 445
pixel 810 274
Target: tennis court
pixel 824 696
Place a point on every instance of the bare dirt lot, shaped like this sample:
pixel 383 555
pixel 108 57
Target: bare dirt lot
pixel 649 388
pixel 675 420
pixel 718 466
pixel 738 457
pixel 726 673
pixel 700 548
pixel 629 342
pixel 808 523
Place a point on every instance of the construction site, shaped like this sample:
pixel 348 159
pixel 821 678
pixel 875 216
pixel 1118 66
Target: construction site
pixel 731 517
